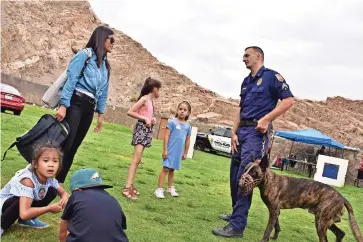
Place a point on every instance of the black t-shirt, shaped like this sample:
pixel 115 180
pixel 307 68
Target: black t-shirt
pixel 94 215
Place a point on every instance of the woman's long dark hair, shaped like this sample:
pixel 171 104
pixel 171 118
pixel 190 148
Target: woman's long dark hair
pixel 148 86
pixel 97 43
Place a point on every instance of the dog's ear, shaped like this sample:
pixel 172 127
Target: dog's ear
pixel 264 164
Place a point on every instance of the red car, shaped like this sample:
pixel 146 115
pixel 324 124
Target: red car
pixel 11 99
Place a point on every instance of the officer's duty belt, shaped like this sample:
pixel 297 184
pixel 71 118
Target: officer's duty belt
pixel 247 122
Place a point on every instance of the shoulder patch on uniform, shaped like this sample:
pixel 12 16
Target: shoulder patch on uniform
pixel 279 77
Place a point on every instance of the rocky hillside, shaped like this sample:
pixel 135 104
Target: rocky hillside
pixel 37 43
pixel 38 39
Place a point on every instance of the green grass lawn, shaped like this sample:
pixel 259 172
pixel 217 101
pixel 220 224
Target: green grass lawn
pixel 203 185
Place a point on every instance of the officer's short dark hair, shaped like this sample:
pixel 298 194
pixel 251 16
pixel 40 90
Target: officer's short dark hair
pixel 258 49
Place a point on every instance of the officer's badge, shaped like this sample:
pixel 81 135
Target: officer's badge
pixel 279 77
pixel 259 81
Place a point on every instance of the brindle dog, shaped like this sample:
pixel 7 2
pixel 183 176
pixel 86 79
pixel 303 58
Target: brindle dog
pixel 283 192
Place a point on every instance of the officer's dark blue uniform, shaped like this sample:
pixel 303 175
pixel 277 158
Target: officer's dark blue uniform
pixel 233 174
pixel 259 96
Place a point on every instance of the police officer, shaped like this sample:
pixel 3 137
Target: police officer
pixel 260 92
pixel 233 174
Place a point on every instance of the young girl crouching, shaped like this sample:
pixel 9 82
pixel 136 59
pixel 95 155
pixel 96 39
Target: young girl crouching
pixel 27 195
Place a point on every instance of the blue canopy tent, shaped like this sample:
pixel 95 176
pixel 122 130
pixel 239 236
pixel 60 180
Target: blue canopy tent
pixel 310 136
pixel 314 137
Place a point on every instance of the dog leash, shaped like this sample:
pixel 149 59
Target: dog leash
pixel 263 145
pixel 262 150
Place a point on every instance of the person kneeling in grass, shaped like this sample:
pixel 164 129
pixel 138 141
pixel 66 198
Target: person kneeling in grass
pixel 27 195
pixel 91 213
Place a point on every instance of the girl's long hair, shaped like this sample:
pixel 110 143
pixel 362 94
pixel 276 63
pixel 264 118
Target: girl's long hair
pixel 97 43
pixel 149 86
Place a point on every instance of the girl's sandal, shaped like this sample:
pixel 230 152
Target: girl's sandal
pixel 135 190
pixel 127 192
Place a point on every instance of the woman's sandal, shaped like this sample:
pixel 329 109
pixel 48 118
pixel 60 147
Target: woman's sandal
pixel 135 190
pixel 128 192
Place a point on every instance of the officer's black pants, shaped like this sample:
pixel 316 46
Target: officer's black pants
pixel 234 180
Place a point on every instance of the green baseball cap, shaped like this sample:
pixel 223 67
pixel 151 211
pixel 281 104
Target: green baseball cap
pixel 86 178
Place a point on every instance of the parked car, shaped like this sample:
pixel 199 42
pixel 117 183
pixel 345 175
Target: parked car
pixel 11 99
pixel 218 140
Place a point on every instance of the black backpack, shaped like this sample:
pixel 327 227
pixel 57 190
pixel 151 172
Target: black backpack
pixel 47 128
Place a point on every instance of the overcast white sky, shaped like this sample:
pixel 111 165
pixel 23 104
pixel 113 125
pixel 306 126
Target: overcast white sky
pixel 317 45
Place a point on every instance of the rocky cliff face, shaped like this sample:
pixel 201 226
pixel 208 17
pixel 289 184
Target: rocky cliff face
pixel 37 43
pixel 38 39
